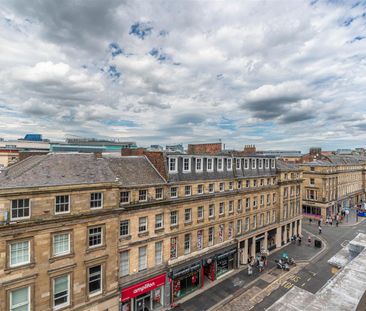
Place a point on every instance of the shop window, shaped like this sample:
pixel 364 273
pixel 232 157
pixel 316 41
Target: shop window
pixel 95 280
pixel 159 253
pixel 142 258
pixel 62 205
pixel 142 224
pixel 96 200
pixel 61 291
pixel 124 263
pixel 20 209
pixel 125 197
pixel 174 218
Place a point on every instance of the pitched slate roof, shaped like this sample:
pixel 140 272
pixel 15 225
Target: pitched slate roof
pixel 56 169
pixel 286 166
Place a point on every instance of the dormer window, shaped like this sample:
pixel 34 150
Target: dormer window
pixel 273 163
pixel 219 164
pixel 246 164
pixel 260 163
pixel 173 165
pixel 238 164
pixel 266 161
pixel 186 165
pixel 254 163
pixel 229 164
pixel 209 165
pixel 199 166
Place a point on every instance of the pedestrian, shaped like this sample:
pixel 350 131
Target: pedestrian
pixel 309 240
pixel 320 230
pixel 336 223
pixel 319 222
pixel 260 265
pixel 327 220
pixel 250 270
pixel 310 220
pixel 299 240
pixel 331 222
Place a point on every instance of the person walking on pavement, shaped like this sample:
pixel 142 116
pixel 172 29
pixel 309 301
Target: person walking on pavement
pixel 331 222
pixel 319 222
pixel 336 223
pixel 250 269
pixel 309 240
pixel 320 230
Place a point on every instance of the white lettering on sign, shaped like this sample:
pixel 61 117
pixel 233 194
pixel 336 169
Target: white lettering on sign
pixel 144 287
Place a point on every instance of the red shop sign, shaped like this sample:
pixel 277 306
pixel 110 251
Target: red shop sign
pixel 143 287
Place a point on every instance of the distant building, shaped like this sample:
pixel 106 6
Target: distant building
pixel 175 148
pixel 8 157
pixel 344 151
pixel 156 148
pixel 32 137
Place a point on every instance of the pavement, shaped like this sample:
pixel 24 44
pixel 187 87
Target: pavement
pixel 238 281
pixel 239 291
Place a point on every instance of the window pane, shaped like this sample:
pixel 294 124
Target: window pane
pixel 19 253
pixel 95 279
pixel 20 299
pixel 61 290
pixel 61 244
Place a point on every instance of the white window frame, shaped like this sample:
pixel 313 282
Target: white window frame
pixel 101 236
pixel 20 218
pixel 231 185
pixel 190 190
pixel 260 163
pixel 69 204
pixel 202 188
pixel 222 186
pixel 210 160
pixel 176 192
pixel 101 200
pixel 187 250
pixel 127 264
pixel 238 226
pixel 101 281
pixel 128 196
pixel 189 210
pixel 246 164
pixel 231 207
pixel 213 209
pixel 254 163
pixel 176 213
pixel 162 193
pixel 175 168
pixel 146 224
pixel 20 305
pixel 67 303
pixel 222 208
pixel 202 209
pixel 69 244
pixel 220 168
pixel 238 161
pixel 21 263
pixel 160 254
pixel 229 164
pixel 146 194
pixel 213 188
pixel 140 268
pixel 189 165
pixel 128 227
pixel 211 236
pixel 266 162
pixel 161 222
pixel 199 168
pixel 273 163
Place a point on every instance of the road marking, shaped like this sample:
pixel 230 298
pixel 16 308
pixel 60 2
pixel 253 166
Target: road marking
pixel 303 284
pixel 308 279
pixel 344 243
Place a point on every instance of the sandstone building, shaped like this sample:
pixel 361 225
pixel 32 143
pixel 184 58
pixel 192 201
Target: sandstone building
pixel 84 232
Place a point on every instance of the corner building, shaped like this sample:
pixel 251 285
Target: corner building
pixel 80 232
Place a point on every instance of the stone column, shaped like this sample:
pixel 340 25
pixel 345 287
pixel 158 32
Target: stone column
pixel 265 242
pixel 252 251
pixel 290 232
pixel 244 253
pixel 278 237
pixel 295 228
pixel 299 229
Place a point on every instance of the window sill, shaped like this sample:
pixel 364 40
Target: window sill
pixel 125 237
pixel 25 266
pixel 174 227
pixel 95 248
pixel 211 218
pixel 142 234
pixel 221 215
pixel 200 220
pixel 159 230
pixel 188 223
pixel 55 258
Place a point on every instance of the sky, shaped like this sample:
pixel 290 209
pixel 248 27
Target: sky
pixel 277 74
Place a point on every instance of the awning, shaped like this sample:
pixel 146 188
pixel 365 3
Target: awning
pixel 185 270
pixel 226 254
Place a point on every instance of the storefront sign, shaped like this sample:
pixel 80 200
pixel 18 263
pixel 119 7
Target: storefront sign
pixel 226 254
pixel 143 287
pixel 185 270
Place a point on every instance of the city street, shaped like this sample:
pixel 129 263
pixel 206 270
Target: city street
pixel 259 291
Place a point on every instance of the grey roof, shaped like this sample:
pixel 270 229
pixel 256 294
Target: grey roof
pixel 346 159
pixel 286 166
pixel 318 163
pixel 56 169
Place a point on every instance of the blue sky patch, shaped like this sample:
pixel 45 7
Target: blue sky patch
pixel 159 55
pixel 113 72
pixel 126 123
pixel 141 30
pixel 115 49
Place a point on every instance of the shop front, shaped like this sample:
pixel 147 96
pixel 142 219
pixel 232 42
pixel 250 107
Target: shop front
pixel 185 280
pixel 144 296
pixel 272 239
pixel 225 262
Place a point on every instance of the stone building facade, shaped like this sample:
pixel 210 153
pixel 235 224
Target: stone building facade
pixel 332 184
pixel 80 232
